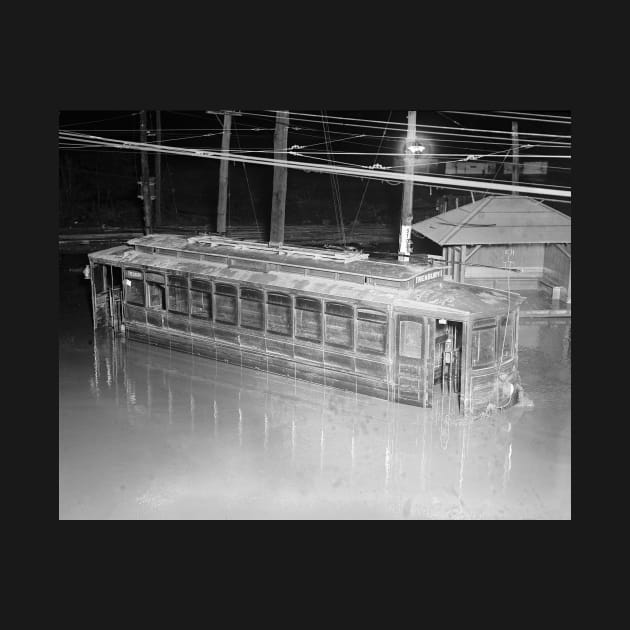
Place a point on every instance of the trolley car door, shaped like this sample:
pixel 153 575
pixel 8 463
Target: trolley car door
pixel 115 296
pixel 414 358
pixel 100 296
pixel 115 301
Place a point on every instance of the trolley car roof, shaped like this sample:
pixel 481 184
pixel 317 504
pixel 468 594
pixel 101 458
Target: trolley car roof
pixel 437 296
pixel 313 258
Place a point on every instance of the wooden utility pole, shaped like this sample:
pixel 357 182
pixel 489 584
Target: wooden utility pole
pixel 515 165
pixel 278 202
pixel 406 213
pixel 158 171
pixel 144 161
pixel 223 174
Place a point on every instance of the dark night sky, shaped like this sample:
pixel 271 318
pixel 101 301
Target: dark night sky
pixel 99 185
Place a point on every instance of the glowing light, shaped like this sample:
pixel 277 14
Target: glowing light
pixel 416 148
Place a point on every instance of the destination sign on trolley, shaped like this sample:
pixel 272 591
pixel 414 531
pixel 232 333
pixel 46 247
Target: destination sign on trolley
pixel 428 275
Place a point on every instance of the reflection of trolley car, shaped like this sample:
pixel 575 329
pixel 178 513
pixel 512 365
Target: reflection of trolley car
pixel 391 330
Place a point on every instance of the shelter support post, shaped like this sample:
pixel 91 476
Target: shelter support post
pixel 471 252
pixel 564 250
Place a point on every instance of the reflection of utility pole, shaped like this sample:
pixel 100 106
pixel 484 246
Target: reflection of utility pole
pixel 515 165
pixel 406 213
pixel 223 174
pixel 278 201
pixel 144 161
pixel 158 171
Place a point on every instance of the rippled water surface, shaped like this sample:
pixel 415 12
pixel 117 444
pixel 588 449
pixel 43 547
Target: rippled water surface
pixel 149 434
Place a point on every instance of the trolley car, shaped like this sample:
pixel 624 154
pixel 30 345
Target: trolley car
pixel 401 332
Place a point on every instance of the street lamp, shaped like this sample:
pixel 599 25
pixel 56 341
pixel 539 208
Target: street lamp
pixel 415 148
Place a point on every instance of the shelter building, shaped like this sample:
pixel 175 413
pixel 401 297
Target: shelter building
pixel 482 240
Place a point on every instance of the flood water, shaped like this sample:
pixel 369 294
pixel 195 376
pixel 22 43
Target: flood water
pixel 145 433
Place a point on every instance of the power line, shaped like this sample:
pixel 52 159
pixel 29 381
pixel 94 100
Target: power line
pixel 427 133
pixel 440 141
pixel 535 114
pixel 89 122
pixel 309 166
pixel 423 132
pixel 464 155
pixel 556 122
pixel 297 114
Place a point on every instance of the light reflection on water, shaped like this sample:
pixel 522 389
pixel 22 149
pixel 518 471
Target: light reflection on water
pixel 149 433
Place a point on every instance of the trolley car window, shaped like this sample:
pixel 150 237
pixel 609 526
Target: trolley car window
pixel 155 290
pixel 201 304
pixel 157 298
pixel 411 334
pixel 339 325
pixel 200 298
pixel 483 347
pixel 506 336
pixel 252 309
pixel 308 319
pixel 371 332
pixel 99 278
pixel 225 304
pixel 279 314
pixel 134 290
pixel 178 294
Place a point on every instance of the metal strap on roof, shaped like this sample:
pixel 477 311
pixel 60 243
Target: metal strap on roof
pixel 281 250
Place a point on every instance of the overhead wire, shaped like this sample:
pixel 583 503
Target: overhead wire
pixel 335 186
pixel 427 133
pixel 256 129
pixel 462 135
pixel 251 198
pixel 309 166
pixel 422 126
pixel 356 216
pixel 437 142
pixel 555 122
pixel 89 122
pixel 463 155
pixel 535 114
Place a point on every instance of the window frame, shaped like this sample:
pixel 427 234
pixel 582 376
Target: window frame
pixel 99 277
pixel 378 317
pixel 259 299
pixel 401 338
pixel 301 304
pixel 286 301
pixel 478 331
pixel 351 318
pixel 503 322
pixel 198 285
pixel 129 279
pixel 230 291
pixel 175 281
pixel 155 279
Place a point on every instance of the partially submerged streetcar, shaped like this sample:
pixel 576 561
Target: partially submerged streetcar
pixel 400 332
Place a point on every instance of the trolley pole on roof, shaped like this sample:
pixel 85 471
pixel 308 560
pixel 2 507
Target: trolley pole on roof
pixel 223 174
pixel 406 213
pixel 278 201
pixel 515 165
pixel 144 162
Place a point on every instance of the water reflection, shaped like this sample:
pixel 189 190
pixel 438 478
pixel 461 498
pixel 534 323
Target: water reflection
pixel 213 439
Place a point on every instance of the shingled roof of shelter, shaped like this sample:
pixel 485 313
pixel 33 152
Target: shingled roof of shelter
pixel 498 220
